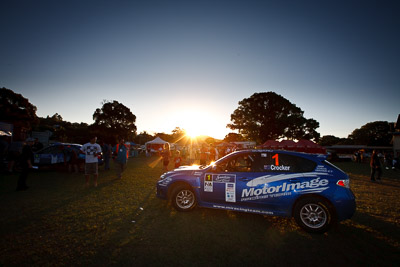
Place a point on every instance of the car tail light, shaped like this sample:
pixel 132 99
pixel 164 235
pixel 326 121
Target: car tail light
pixel 343 183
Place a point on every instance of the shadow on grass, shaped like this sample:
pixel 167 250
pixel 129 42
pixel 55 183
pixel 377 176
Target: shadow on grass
pixel 161 236
pixel 122 223
pixel 29 207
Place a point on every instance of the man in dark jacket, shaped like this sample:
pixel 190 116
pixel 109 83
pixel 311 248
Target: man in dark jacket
pixel 121 152
pixel 375 166
pixel 26 164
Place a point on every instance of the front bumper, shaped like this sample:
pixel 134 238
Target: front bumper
pixel 161 192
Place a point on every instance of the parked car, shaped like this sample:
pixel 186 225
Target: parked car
pixel 268 182
pixel 58 154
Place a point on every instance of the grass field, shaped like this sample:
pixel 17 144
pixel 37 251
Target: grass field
pixel 121 223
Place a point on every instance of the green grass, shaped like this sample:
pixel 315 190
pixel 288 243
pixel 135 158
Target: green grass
pixel 60 222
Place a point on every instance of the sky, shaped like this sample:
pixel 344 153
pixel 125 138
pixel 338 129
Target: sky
pixel 188 63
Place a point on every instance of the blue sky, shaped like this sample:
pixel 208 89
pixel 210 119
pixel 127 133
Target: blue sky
pixel 188 63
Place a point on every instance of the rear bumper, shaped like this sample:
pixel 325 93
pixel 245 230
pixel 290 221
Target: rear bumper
pixel 345 206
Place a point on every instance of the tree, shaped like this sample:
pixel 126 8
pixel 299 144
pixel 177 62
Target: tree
pixel 142 138
pixel 178 134
pixel 372 134
pixel 165 137
pixel 16 109
pixel 329 140
pixel 114 120
pixel 268 115
pixel 233 137
pixel 56 117
pixel 210 140
pixel 64 131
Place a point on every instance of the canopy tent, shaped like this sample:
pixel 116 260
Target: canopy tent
pixel 287 144
pixel 271 144
pixel 155 144
pixel 156 141
pixel 310 147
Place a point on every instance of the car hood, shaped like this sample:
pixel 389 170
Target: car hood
pixel 185 170
pixel 190 168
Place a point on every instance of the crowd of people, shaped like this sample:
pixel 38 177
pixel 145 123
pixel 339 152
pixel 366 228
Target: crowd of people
pixel 23 155
pixel 188 155
pixel 20 157
pixel 11 152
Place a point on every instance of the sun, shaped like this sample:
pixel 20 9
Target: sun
pixel 195 123
pixel 193 132
pixel 198 122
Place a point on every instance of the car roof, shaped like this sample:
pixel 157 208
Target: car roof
pixel 295 153
pixel 78 146
pixel 65 144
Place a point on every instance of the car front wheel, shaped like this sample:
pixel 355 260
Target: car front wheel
pixel 183 198
pixel 313 215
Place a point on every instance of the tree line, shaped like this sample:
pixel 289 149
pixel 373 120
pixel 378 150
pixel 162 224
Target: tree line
pixel 263 116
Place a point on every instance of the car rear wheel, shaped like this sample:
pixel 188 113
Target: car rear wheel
pixel 313 215
pixel 183 198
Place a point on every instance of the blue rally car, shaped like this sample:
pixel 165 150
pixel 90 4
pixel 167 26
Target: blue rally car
pixel 279 183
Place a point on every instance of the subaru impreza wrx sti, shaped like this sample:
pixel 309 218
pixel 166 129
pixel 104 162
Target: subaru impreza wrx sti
pixel 280 183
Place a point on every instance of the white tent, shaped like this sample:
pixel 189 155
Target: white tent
pixel 156 144
pixel 156 141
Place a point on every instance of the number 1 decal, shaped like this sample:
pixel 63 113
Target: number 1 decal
pixel 276 157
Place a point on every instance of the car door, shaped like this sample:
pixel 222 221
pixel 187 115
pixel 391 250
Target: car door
pixel 278 181
pixel 47 156
pixel 220 184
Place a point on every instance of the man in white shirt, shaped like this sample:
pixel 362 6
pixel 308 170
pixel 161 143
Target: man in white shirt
pixel 92 150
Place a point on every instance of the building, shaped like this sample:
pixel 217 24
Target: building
pixel 396 138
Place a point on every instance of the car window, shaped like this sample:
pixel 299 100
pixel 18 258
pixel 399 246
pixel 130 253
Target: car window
pixel 51 150
pixel 282 162
pixel 75 148
pixel 239 163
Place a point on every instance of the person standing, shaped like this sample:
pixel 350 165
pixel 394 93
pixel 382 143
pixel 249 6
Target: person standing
pixel 213 153
pixel 3 152
pixel 166 154
pixel 13 154
pixel 26 164
pixel 107 155
pixel 37 145
pixel 203 154
pixel 73 160
pixel 388 161
pixel 121 152
pixel 192 155
pixel 177 159
pixel 375 166
pixel 92 150
pixel 228 150
pixel 184 155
